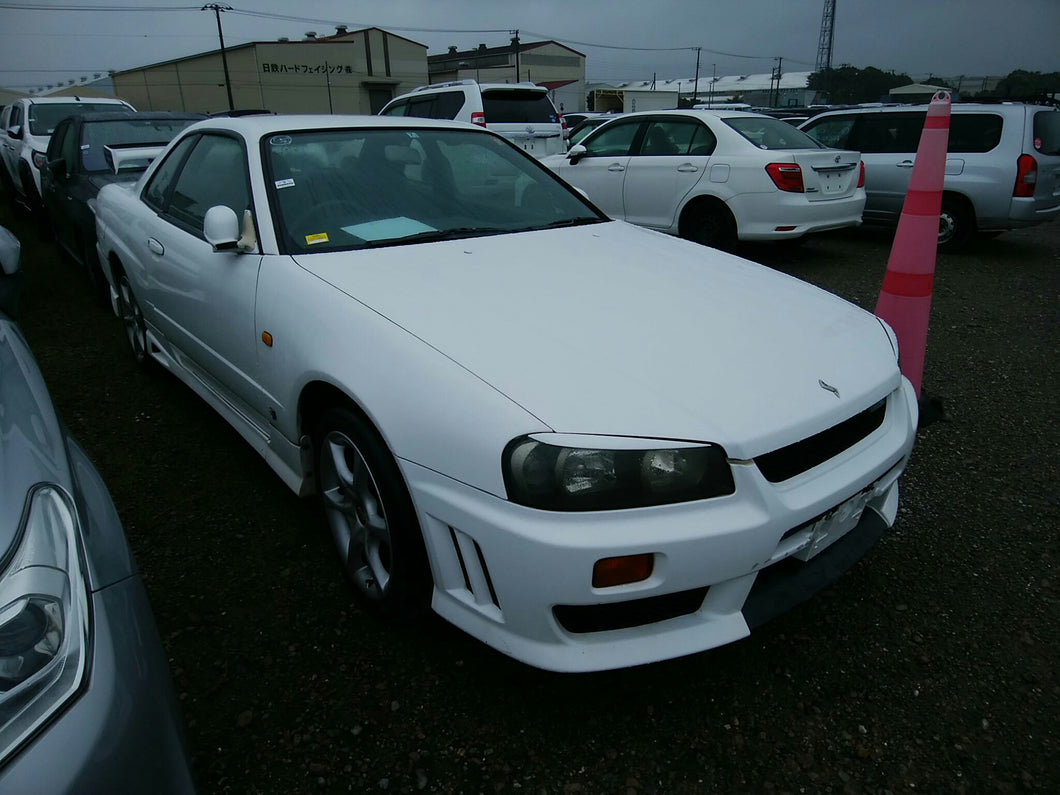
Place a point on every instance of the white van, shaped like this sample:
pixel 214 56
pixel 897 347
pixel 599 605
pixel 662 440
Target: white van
pixel 521 112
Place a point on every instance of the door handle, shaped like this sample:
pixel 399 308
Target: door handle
pixel 616 167
pixel 155 246
pixel 687 168
pixel 905 164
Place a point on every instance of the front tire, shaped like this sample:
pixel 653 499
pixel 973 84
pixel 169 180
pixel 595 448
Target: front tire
pixel 370 515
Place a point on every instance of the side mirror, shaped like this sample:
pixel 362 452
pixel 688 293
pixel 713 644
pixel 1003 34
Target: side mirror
pixel 220 227
pixel 10 272
pixel 576 153
pixel 57 168
pixel 15 130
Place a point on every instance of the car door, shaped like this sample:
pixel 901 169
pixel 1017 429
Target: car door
pixel 673 155
pixel 601 170
pixel 203 300
pixel 12 142
pixel 53 179
pixel 888 144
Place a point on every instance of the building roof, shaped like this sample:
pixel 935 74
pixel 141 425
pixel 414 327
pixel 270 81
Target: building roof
pixel 337 38
pixel 482 51
pixel 727 84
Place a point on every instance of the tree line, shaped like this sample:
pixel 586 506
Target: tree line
pixel 850 84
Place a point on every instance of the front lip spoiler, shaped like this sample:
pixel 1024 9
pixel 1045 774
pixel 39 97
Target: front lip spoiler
pixel 788 583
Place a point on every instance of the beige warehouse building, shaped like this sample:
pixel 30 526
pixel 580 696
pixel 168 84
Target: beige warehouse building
pixel 348 72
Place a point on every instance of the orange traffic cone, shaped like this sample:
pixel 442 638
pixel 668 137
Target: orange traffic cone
pixel 905 299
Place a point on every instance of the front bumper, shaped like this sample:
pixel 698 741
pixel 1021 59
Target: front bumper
pixel 122 733
pixel 520 579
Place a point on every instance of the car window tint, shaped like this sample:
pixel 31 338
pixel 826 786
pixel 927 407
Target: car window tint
pixel 765 132
pixel 703 142
pixel 669 137
pixel 214 173
pixel 889 133
pixel 55 145
pixel 613 139
pixel 447 104
pixel 507 106
pixel 397 109
pixel 833 132
pixel 974 132
pixel 157 189
pixel 1047 132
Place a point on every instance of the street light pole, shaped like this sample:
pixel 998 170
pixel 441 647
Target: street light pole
pixel 217 8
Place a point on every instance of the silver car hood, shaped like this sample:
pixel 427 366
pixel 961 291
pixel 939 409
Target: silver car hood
pixel 615 330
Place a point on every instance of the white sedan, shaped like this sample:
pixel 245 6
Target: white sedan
pixel 715 176
pixel 587 462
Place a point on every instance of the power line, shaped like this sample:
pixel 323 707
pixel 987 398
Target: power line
pixel 35 7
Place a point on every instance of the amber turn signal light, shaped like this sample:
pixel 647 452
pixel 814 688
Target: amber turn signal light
pixel 608 572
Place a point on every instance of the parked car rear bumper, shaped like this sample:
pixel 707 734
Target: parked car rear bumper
pixel 759 220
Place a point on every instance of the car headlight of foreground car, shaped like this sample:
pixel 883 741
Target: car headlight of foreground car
pixel 560 478
pixel 43 618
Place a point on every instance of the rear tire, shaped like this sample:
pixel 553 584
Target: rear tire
pixel 133 319
pixel 711 225
pixel 371 516
pixel 956 224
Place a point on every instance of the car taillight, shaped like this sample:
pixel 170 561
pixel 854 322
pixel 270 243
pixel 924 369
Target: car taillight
pixel 563 126
pixel 39 159
pixel 1026 176
pixel 861 175
pixel 479 118
pixel 786 176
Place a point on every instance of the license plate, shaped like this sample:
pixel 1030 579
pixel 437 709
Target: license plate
pixel 835 524
pixel 831 181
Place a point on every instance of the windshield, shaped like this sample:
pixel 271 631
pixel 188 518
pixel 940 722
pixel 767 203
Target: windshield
pixel 334 190
pixel 97 135
pixel 765 132
pixel 43 117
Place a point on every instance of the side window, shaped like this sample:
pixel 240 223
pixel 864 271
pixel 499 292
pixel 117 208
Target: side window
pixel 1047 132
pixel 974 132
pixel 447 105
pixel 612 139
pixel 57 142
pixel 214 173
pixel 5 118
pixel 397 109
pixel 157 189
pixel 672 137
pixel 420 107
pixel 16 116
pixel 894 133
pixel 833 132
pixel 70 146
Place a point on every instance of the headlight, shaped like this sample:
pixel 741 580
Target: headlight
pixel 559 478
pixel 39 159
pixel 43 619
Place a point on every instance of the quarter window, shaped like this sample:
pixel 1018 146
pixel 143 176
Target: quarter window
pixel 1047 132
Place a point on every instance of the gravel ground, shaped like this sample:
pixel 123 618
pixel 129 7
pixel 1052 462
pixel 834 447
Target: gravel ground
pixel 930 667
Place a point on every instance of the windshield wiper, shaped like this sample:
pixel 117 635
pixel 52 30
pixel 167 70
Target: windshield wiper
pixel 584 221
pixel 435 235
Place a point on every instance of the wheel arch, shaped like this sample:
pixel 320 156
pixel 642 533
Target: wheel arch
pixel 700 202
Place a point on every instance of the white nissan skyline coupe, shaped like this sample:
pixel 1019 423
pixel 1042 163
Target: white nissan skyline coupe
pixel 589 461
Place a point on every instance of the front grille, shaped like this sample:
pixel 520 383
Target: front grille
pixel 787 462
pixel 634 613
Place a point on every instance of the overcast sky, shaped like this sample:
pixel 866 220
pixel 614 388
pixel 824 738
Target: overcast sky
pixel 43 41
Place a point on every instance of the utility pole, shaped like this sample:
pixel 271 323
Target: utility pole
pixel 217 8
pixel 695 91
pixel 713 80
pixel 515 44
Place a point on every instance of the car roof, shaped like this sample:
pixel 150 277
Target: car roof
pixel 956 107
pixel 73 100
pixel 255 126
pixel 704 114
pixel 131 115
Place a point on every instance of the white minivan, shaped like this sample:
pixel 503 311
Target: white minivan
pixel 521 112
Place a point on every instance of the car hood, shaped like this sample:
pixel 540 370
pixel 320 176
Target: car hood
pixel 615 330
pixel 31 443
